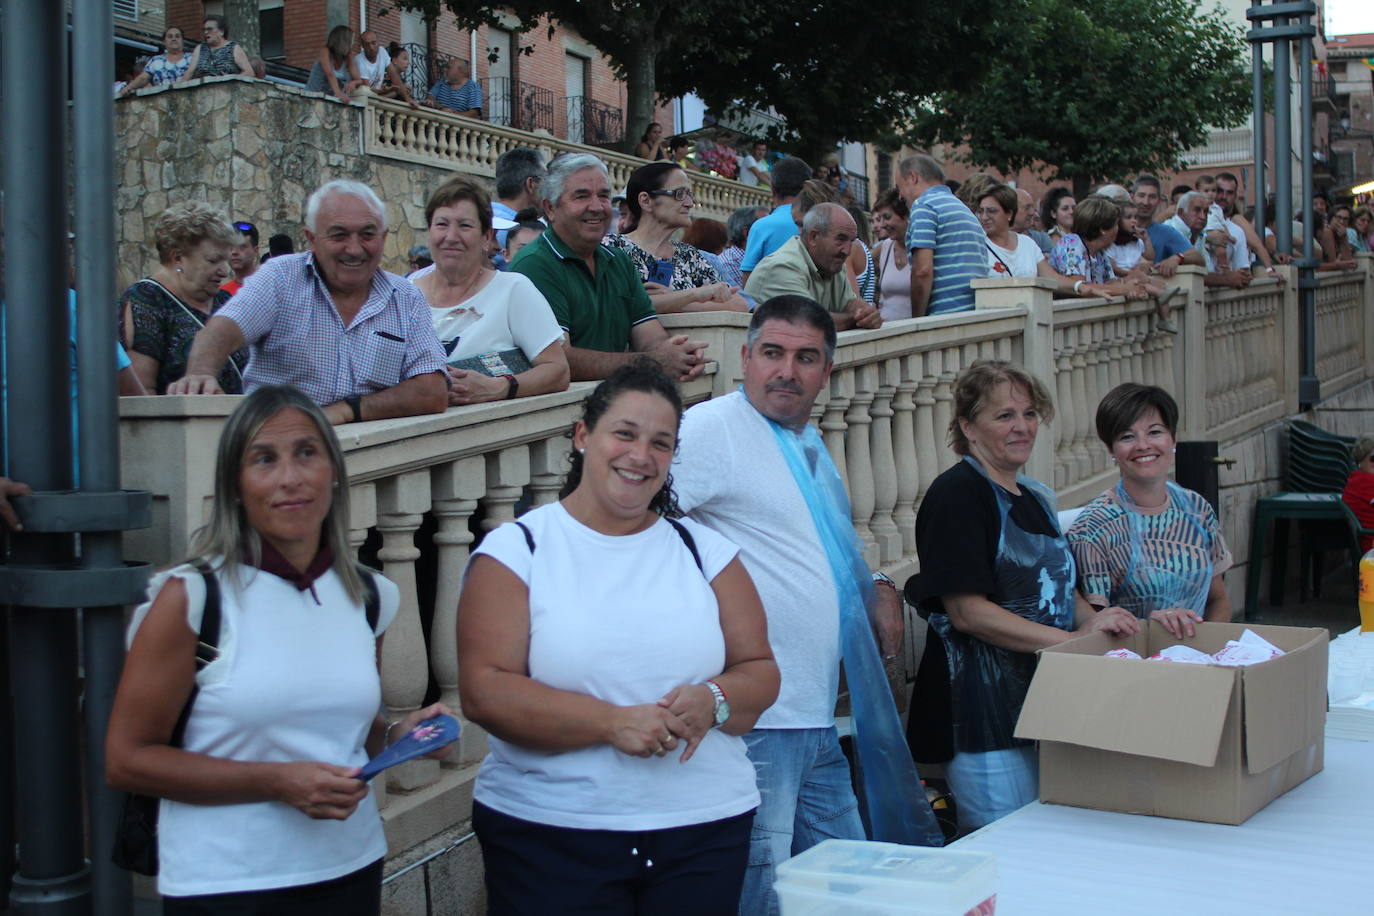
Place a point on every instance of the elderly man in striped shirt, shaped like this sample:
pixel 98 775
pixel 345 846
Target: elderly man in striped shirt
pixel 457 92
pixel 946 241
pixel 357 340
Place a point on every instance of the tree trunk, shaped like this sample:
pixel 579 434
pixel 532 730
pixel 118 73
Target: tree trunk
pixel 244 27
pixel 640 92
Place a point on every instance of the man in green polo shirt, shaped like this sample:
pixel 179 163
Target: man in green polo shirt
pixel 595 291
pixel 812 265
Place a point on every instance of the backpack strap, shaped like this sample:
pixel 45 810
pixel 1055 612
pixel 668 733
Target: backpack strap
pixel 372 599
pixel 680 528
pixel 207 643
pixel 690 541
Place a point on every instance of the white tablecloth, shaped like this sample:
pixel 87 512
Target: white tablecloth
pixel 1308 852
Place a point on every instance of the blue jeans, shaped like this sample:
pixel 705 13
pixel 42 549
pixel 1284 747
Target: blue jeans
pixel 806 796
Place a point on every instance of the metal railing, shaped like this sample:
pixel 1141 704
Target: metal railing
pixel 593 123
pixel 518 104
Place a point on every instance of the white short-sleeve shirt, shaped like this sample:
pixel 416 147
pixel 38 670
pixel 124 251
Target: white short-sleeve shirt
pixel 511 313
pixel 373 71
pixel 1023 262
pixel 624 619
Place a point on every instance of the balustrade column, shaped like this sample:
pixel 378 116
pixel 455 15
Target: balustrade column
pixel 1082 462
pixel 1101 384
pixel 924 368
pixel 859 463
pixel 885 533
pixel 1139 328
pixel 948 361
pixel 832 424
pixel 904 449
pixel 401 502
pixel 507 473
pixel 548 467
pixel 362 516
pixel 455 487
pixel 1064 422
pixel 1113 343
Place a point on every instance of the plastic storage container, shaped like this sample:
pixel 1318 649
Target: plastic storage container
pixel 885 879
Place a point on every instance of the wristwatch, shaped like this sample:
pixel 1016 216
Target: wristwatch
pixel 722 711
pixel 355 403
pixel 884 579
pixel 512 386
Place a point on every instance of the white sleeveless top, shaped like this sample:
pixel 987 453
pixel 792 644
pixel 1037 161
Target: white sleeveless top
pixel 295 681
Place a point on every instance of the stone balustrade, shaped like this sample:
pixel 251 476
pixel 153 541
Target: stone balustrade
pixel 884 419
pixel 438 138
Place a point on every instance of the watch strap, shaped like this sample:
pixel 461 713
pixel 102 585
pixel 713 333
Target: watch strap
pixel 355 403
pixel 513 385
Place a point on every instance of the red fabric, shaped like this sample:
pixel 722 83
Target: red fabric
pixel 276 564
pixel 1359 496
pixel 231 286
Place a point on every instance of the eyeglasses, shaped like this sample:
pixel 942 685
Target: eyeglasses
pixel 677 194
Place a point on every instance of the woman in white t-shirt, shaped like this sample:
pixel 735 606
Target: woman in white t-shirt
pixel 615 654
pixel 1010 254
pixel 261 809
pixel 500 335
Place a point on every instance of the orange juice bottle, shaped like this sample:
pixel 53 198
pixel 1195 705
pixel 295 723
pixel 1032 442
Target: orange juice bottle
pixel 1367 592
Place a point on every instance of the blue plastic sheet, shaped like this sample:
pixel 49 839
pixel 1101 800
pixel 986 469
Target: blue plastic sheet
pixel 894 799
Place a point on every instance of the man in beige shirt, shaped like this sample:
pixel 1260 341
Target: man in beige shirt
pixel 812 265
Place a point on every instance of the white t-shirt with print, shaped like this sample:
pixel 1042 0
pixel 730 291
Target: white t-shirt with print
pixel 624 619
pixel 1023 262
pixel 508 313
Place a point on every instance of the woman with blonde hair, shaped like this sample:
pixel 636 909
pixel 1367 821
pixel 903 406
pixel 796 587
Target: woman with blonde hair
pixel 334 71
pixel 161 314
pixel 996 583
pixel 255 756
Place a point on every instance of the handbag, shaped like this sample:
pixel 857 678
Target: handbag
pixel 135 843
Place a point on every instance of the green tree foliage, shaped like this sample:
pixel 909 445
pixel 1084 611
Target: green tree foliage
pixel 838 70
pixel 1086 90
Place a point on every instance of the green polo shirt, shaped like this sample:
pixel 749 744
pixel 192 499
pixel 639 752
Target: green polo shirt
pixel 790 271
pixel 598 311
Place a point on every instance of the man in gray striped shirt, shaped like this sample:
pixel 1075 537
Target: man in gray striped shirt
pixel 947 244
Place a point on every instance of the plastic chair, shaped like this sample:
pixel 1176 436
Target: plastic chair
pixel 1318 464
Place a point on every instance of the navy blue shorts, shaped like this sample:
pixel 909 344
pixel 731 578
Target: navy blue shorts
pixel 534 869
pixel 358 893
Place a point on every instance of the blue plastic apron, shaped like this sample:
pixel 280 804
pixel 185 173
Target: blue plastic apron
pixel 894 799
pixel 1034 576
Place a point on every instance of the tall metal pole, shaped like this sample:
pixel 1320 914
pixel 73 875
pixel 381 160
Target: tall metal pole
pixel 1257 98
pixel 52 877
pixel 1309 384
pixel 1283 145
pixel 98 412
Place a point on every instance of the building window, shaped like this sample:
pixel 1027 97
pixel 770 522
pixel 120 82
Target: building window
pixel 126 9
pixel 272 31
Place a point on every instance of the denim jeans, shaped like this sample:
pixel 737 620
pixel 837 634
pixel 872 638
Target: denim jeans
pixel 806 796
pixel 990 785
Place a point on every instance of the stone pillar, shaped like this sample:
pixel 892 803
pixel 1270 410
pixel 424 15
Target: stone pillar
pixel 1190 354
pixel 401 502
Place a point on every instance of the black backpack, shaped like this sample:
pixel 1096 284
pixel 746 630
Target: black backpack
pixel 135 844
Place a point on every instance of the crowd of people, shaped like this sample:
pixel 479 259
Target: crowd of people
pixel 662 731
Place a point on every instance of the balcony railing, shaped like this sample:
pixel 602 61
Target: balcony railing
pixel 1223 147
pixel 395 131
pixel 593 123
pixel 514 103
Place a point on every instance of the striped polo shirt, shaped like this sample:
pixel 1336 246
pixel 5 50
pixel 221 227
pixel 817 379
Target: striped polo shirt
pixel 939 221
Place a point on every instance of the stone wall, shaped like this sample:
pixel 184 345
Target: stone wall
pixel 255 149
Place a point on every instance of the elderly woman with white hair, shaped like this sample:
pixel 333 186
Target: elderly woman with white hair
pixel 356 339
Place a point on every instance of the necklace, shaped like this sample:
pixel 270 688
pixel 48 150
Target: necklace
pixel 465 292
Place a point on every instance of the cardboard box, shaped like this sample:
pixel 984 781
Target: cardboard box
pixel 1198 742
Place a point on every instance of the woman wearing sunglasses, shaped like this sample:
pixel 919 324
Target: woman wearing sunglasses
pixel 677 276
